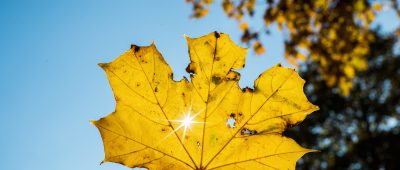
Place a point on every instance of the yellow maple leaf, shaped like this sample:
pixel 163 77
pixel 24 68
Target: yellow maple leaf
pixel 206 123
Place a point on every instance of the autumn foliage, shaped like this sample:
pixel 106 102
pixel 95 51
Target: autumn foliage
pixel 335 34
pixel 208 122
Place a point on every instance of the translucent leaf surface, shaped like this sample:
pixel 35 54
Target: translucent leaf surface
pixel 208 122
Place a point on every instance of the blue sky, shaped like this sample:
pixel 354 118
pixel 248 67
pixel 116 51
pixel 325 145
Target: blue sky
pixel 51 85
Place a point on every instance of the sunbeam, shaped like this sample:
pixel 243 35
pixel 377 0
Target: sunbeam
pixel 185 123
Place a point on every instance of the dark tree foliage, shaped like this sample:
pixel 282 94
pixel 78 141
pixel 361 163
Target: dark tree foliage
pixel 360 131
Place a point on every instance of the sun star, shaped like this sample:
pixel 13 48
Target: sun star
pixel 185 123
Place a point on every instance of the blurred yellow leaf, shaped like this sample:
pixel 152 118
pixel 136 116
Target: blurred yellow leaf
pixel 200 13
pixel 227 5
pixel 208 1
pixel 370 16
pixel 330 80
pixel 398 32
pixel 207 123
pixel 345 86
pixel 258 48
pixel 244 26
pixel 349 71
pixel 301 57
pixel 293 61
pixel 377 6
pixel 280 20
pixel 359 63
pixel 332 34
pixel 359 6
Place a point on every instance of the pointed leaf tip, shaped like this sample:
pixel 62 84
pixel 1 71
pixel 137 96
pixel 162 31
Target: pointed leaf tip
pixel 93 122
pixel 103 65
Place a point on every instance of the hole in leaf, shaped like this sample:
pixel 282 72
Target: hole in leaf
pixel 231 120
pixel 246 131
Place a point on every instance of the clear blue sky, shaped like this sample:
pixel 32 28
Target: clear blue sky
pixel 51 85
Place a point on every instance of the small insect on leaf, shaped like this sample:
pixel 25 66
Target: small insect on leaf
pixel 206 123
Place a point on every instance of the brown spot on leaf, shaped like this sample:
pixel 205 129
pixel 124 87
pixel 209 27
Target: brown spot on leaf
pixel 246 131
pixel 216 79
pixel 232 75
pixel 190 69
pixel 216 34
pixel 137 48
pixel 248 89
